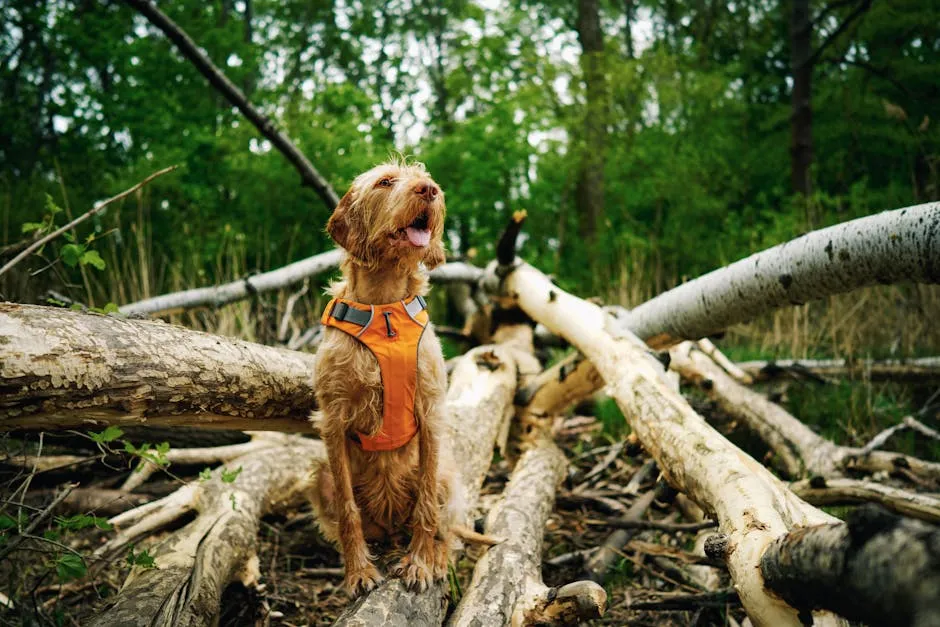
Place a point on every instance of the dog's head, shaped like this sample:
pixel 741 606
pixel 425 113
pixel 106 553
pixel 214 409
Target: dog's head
pixel 393 213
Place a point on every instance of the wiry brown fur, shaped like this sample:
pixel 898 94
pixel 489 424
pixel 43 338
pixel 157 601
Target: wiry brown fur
pixel 364 496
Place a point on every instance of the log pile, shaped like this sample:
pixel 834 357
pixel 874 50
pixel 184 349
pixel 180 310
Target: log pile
pixel 762 543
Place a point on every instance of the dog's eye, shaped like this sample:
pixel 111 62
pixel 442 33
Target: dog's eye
pixel 386 182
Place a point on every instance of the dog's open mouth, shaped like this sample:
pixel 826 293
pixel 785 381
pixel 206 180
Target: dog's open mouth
pixel 417 233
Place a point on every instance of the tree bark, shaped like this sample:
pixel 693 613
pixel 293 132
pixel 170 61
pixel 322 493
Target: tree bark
pixel 590 184
pixel 801 109
pixel 291 274
pixel 751 505
pixel 195 564
pixel 875 568
pixel 893 246
pixel 821 491
pixel 65 369
pixel 479 402
pixel 924 370
pixel 507 581
pixel 798 450
pixel 189 49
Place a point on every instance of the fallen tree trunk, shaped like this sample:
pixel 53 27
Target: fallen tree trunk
pixel 507 586
pixel 821 491
pixel 287 276
pixel 479 401
pixel 196 563
pixel 874 568
pixel 919 370
pixel 218 295
pixel 751 505
pixel 66 369
pixel 798 449
pixel 889 247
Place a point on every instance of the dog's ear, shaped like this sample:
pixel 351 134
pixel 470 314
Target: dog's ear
pixel 435 255
pixel 343 226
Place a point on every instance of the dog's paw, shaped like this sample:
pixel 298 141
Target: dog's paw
pixel 362 580
pixel 419 569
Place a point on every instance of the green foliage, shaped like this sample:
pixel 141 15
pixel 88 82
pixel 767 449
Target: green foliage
pixel 82 521
pixel 155 454
pixel 229 476
pixel 110 434
pixel 205 474
pixel 70 566
pixel 143 559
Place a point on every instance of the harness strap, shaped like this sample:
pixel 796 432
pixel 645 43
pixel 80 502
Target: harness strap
pixel 344 313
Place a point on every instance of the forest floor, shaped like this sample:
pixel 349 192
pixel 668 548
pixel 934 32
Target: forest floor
pixel 301 574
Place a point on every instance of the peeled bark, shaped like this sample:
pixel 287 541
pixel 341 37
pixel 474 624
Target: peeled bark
pixel 479 401
pixel 196 563
pixel 918 370
pixel 557 388
pixel 798 450
pixel 65 369
pixel 874 568
pixel 751 505
pixel 507 581
pixel 893 246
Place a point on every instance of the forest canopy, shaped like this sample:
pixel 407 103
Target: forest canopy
pixel 662 138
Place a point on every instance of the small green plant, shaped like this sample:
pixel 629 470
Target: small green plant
pixel 229 476
pixel 142 559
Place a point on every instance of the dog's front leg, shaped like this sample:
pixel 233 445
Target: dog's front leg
pixel 361 574
pixel 426 559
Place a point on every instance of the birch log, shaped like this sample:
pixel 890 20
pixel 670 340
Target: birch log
pixel 507 586
pixel 839 491
pixel 918 370
pixel 196 563
pixel 751 505
pixel 65 369
pixel 287 276
pixel 479 401
pixel 798 449
pixel 893 246
pixel 875 568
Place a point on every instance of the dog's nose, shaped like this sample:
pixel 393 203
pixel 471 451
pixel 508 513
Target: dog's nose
pixel 427 189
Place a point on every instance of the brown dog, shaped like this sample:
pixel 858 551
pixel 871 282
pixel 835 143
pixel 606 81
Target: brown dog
pixel 382 410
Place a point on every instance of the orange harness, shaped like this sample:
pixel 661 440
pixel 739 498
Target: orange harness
pixel 391 332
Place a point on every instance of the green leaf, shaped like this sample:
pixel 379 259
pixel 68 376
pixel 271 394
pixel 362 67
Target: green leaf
pixel 142 559
pixel 29 227
pixel 7 522
pixel 111 308
pixel 77 307
pixel 71 254
pixel 110 434
pixel 229 476
pixel 51 207
pixel 70 566
pixel 82 521
pixel 205 474
pixel 92 258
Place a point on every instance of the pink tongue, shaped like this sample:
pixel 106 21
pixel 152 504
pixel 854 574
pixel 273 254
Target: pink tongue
pixel 418 237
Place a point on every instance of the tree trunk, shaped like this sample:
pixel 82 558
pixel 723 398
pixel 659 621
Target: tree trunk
pixel 751 505
pixel 874 568
pixel 65 369
pixel 507 581
pixel 889 247
pixel 291 274
pixel 479 402
pixel 590 185
pixel 801 109
pixel 195 564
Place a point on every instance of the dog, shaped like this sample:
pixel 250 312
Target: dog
pixel 381 381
